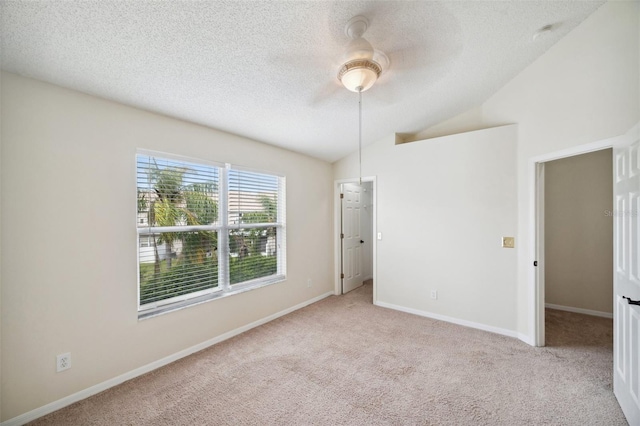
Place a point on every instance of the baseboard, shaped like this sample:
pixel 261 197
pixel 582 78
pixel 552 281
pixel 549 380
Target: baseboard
pixel 83 394
pixel 471 324
pixel 529 340
pixel 579 310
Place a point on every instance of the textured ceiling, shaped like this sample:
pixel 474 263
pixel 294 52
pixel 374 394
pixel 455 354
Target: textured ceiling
pixel 267 70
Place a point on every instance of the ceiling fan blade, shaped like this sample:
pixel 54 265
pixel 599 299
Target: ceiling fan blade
pixel 380 96
pixel 326 93
pixel 416 58
pixel 409 65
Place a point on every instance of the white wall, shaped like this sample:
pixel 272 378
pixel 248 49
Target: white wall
pixel 586 88
pixel 579 232
pixel 442 207
pixel 69 240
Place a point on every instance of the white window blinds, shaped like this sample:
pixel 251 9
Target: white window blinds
pixel 177 217
pixel 205 230
pixel 253 225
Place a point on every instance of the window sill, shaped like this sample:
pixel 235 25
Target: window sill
pixel 235 289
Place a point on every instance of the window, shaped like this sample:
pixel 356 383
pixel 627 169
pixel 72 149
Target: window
pixel 205 230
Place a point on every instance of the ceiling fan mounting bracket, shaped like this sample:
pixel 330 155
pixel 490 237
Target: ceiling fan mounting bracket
pixel 356 27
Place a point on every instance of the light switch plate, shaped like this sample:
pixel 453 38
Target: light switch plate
pixel 508 242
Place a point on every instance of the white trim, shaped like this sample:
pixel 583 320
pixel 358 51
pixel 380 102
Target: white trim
pixel 526 339
pixel 83 394
pixel 538 245
pixel 471 324
pixel 374 237
pixel 177 157
pixel 224 279
pixel 253 170
pixel 536 297
pixel 281 234
pixel 532 280
pixel 579 310
pixel 576 150
pixel 151 230
pixel 337 228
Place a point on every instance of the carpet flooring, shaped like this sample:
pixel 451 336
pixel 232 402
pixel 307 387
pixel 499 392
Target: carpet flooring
pixel 343 361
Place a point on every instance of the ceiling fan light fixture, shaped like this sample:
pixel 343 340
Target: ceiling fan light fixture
pixel 359 75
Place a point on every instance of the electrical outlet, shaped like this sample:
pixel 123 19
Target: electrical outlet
pixel 309 282
pixel 434 294
pixel 63 362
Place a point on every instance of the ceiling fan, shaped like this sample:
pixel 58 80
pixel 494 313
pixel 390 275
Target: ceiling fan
pixel 362 64
pixel 361 68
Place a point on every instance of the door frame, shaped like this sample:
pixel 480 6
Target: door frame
pixel 536 231
pixel 337 212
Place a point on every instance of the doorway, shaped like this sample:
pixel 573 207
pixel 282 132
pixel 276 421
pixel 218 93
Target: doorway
pixel 355 224
pixel 626 261
pixel 578 236
pixel 560 297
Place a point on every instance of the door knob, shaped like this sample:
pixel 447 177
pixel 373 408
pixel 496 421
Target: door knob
pixel 631 302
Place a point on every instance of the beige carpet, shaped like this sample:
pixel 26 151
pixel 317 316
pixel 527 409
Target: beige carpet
pixel 344 361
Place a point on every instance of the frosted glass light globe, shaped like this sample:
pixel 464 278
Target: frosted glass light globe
pixel 359 75
pixel 359 79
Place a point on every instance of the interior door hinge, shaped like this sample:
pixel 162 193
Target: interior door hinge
pixel 341 195
pixel 342 276
pixel 341 236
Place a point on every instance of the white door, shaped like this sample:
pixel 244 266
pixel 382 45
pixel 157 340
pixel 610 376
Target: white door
pixel 351 238
pixel 626 279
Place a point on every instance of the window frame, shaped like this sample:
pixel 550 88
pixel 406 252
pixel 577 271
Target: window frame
pixel 222 229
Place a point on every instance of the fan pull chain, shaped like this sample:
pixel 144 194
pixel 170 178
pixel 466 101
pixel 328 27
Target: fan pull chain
pixel 360 134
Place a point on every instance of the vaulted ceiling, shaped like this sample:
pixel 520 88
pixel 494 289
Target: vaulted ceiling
pixel 267 69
